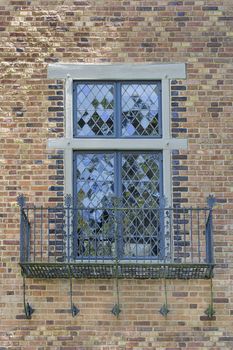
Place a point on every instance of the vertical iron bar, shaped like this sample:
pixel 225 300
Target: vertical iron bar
pixel 41 232
pixel 191 233
pixel 89 241
pixel 28 236
pixel 171 235
pixel 81 233
pixel 210 312
pixel 74 310
pixel 211 249
pixel 72 232
pixel 198 234
pixel 74 226
pixel 209 238
pixel 184 218
pixel 22 255
pixel 55 231
pixel 68 231
pixel 164 309
pixel 48 223
pixel 63 233
pixel 177 235
pixel 211 201
pixel 206 229
pixel 119 202
pixel 150 241
pixel 95 233
pixel 34 243
pixel 28 310
pixel 162 216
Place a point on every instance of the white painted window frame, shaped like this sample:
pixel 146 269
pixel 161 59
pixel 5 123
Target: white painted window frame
pixel 74 72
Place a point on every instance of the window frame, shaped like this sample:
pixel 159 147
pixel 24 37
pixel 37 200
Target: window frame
pixel 117 155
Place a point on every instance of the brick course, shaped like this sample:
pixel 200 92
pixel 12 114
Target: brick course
pixel 38 32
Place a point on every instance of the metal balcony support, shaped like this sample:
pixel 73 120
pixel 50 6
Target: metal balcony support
pixel 210 312
pixel 74 310
pixel 164 309
pixel 28 310
pixel 211 201
pixel 116 310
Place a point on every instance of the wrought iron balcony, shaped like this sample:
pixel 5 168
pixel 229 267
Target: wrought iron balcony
pixel 114 241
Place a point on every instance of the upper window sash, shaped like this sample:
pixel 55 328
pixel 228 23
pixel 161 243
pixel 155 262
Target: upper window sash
pixel 128 109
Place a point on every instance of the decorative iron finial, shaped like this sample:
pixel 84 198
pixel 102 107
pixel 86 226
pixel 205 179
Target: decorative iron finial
pixel 210 312
pixel 164 310
pixel 28 311
pixel 74 310
pixel 116 310
pixel 21 200
pixel 211 201
pixel 68 200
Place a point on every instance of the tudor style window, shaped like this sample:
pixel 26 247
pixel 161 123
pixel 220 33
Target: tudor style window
pixel 117 157
pixel 118 110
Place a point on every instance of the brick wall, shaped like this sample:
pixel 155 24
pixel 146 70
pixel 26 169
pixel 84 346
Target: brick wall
pixel 35 33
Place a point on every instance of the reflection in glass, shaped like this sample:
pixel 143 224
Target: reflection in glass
pixel 140 110
pixel 95 109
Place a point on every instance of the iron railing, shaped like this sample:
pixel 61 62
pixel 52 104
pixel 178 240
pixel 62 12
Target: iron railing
pixel 100 242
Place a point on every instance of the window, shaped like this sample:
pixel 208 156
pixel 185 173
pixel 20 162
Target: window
pixel 117 110
pixel 117 157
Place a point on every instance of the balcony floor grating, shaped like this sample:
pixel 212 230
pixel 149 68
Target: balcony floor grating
pixel 121 270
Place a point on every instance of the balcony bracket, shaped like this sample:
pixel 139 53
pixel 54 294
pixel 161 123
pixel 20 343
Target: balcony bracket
pixel 210 312
pixel 164 309
pixel 116 308
pixel 74 309
pixel 28 310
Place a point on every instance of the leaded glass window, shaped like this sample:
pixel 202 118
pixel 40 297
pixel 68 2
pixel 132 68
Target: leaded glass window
pixel 117 192
pixel 108 109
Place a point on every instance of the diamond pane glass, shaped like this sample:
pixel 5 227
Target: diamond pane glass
pixel 95 179
pixel 140 179
pixel 140 110
pixel 95 184
pixel 95 109
pixel 141 192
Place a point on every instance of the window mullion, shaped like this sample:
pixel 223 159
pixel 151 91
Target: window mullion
pixel 117 109
pixel 118 179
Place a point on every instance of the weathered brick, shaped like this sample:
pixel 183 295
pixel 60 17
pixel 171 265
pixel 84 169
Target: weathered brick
pixel 37 32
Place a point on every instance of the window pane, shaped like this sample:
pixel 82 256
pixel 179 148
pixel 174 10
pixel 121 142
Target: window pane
pixel 94 109
pixel 141 179
pixel 94 185
pixel 140 110
pixel 95 178
pixel 141 175
pixel 135 221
